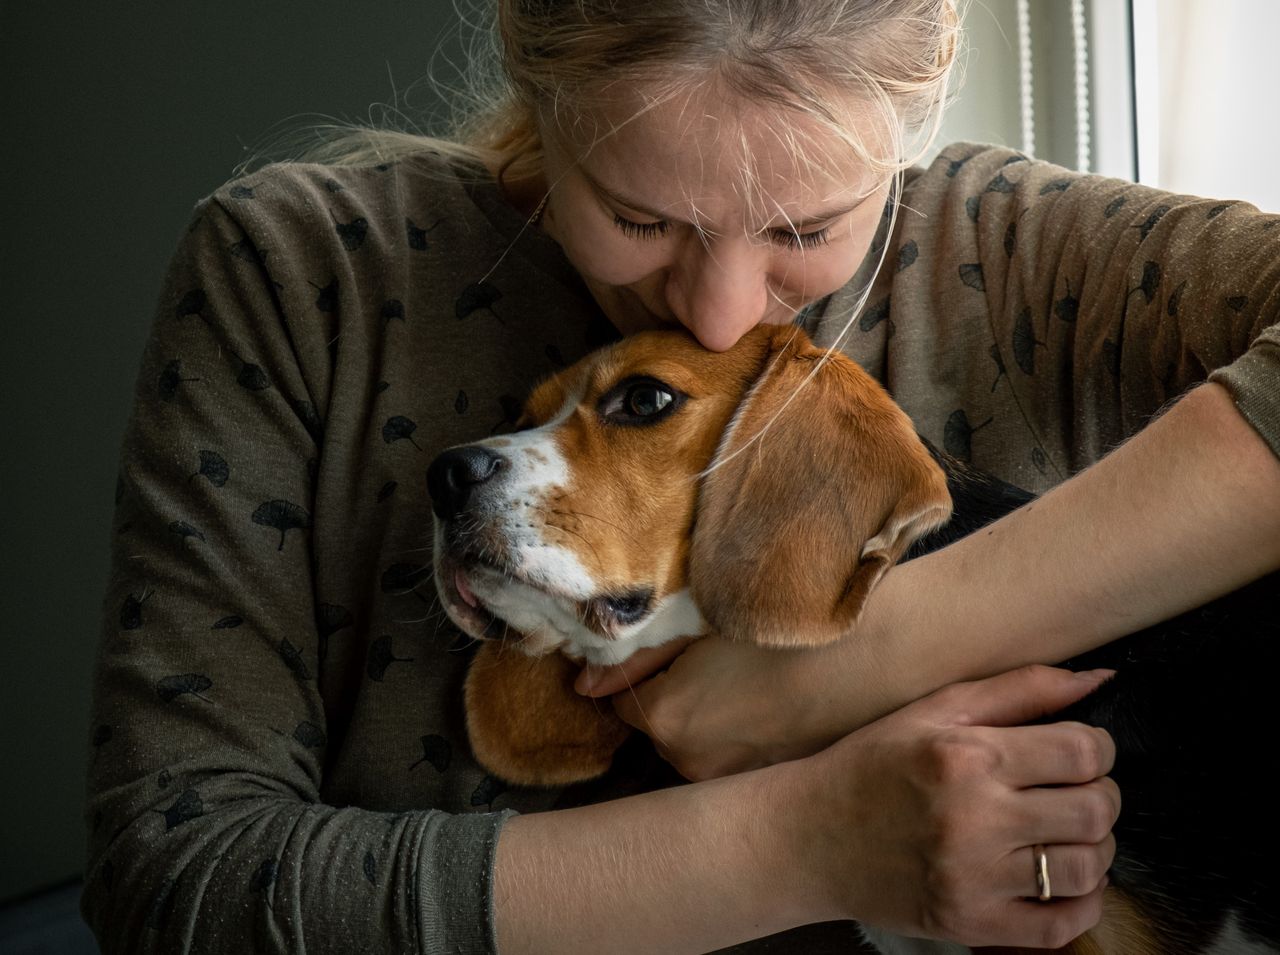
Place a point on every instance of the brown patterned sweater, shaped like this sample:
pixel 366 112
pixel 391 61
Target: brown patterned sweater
pixel 278 753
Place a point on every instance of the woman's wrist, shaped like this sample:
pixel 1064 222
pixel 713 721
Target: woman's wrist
pixel 875 669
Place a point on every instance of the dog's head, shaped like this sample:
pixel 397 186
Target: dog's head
pixel 658 488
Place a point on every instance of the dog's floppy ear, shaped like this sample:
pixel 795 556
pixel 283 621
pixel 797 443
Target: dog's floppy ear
pixel 794 527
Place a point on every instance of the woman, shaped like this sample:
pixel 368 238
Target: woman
pixel 279 752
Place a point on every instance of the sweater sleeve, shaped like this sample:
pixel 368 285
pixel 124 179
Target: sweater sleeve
pixel 1104 300
pixel 209 738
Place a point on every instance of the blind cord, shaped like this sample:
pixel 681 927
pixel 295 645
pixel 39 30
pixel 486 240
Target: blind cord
pixel 1024 78
pixel 1080 47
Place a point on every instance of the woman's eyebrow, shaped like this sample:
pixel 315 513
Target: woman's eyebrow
pixel 622 200
pixel 798 225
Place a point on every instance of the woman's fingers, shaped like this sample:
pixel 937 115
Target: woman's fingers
pixel 597 681
pixel 1083 813
pixel 1074 870
pixel 1019 696
pixel 1052 754
pixel 1050 924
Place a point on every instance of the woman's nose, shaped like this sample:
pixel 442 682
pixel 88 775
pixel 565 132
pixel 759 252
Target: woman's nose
pixel 718 289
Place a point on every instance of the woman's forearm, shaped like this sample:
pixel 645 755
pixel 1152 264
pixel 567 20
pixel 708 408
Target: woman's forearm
pixel 688 869
pixel 1187 510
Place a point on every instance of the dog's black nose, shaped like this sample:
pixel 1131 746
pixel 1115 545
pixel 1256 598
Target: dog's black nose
pixel 455 472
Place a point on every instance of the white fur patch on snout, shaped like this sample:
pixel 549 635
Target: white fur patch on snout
pixel 518 504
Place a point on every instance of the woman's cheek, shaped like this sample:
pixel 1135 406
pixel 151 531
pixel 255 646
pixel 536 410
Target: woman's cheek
pixel 609 257
pixel 822 273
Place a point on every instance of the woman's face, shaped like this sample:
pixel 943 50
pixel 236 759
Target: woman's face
pixel 664 228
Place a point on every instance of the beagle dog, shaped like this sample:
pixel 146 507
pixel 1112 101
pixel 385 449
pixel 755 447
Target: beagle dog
pixel 656 490
pixel 636 488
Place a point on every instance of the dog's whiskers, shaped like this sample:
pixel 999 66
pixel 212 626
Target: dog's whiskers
pixel 616 527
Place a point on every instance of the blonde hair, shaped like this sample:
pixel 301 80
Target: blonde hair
pixel 550 59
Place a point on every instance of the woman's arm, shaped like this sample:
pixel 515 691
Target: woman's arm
pixel 1185 511
pixel 915 824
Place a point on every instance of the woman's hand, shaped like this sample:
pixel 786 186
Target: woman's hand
pixel 715 706
pixel 720 706
pixel 923 822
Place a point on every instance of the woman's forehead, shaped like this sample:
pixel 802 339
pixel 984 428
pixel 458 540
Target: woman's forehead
pixel 713 156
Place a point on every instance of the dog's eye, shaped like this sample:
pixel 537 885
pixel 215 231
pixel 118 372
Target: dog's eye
pixel 647 398
pixel 639 401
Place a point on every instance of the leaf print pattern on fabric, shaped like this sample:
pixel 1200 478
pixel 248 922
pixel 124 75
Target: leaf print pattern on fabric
pixel 1152 221
pixel 957 435
pixel 1151 275
pixel 490 788
pixel 478 296
pixel 436 751
pixel 400 428
pixel 309 735
pixel 170 380
pixel 263 878
pixel 350 234
pixel 292 657
pixel 192 303
pixel 185 530
pixel 326 299
pixel 248 375
pixel 417 237
pixel 131 610
pixel 1025 342
pixel 971 275
pixel 186 807
pixel 1067 308
pixel 876 314
pixel 330 618
pixel 214 467
pixel 173 687
pixel 512 407
pixel 381 657
pixel 907 255
pixel 283 515
pixel 309 417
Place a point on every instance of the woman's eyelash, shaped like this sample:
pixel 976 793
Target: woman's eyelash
pixel 641 230
pixel 802 240
pixel 783 237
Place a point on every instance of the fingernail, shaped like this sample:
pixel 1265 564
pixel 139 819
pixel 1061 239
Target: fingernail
pixel 1095 676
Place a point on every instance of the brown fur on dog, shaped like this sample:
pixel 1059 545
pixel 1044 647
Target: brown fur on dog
pixel 528 726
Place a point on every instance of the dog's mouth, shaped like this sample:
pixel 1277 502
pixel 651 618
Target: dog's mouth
pixel 492 601
pixel 463 605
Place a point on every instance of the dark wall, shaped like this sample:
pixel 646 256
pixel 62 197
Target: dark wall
pixel 115 119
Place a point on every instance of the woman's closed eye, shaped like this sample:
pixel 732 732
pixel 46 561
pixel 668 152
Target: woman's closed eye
pixel 642 230
pixel 787 238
